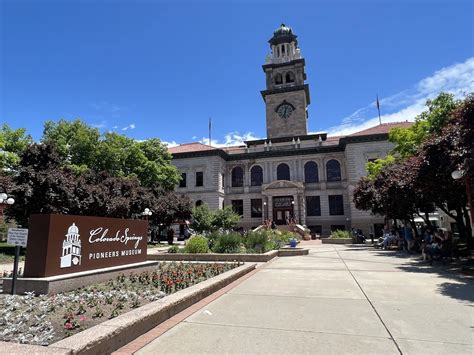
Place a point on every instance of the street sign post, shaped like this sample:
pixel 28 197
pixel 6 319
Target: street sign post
pixel 19 238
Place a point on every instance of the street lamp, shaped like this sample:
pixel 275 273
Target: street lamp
pixel 459 174
pixel 147 213
pixel 5 200
pixel 265 210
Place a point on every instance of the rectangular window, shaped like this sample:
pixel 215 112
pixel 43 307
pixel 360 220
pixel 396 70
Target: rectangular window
pixel 256 206
pixel 238 207
pixel 182 183
pixel 336 205
pixel 313 206
pixel 199 178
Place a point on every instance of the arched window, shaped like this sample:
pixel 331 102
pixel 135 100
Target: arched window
pixel 283 172
pixel 278 79
pixel 198 203
pixel 290 77
pixel 333 170
pixel 256 176
pixel 311 172
pixel 237 177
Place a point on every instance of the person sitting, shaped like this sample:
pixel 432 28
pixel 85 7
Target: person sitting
pixel 426 241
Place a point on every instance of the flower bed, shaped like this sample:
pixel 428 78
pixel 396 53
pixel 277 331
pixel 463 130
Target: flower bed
pixel 45 319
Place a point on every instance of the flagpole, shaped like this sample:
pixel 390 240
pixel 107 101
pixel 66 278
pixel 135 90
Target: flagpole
pixel 210 131
pixel 378 109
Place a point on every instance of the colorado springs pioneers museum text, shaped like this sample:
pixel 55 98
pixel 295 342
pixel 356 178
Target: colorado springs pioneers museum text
pixel 291 173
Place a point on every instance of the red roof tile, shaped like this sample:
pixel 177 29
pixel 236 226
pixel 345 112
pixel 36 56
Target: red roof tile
pixel 190 147
pixel 383 128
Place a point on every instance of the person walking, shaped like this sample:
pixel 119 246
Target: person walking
pixel 408 236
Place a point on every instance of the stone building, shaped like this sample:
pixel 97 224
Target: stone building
pixel 291 173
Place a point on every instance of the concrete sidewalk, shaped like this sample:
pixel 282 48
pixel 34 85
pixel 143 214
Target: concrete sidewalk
pixel 338 299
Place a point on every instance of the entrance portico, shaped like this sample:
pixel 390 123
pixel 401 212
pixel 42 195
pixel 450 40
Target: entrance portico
pixel 284 199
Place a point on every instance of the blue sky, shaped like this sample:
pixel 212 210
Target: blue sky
pixel 160 69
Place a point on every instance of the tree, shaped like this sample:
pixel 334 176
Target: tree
pixel 205 220
pixel 202 219
pixel 431 121
pixel 41 184
pixel 85 148
pixel 12 144
pixel 225 219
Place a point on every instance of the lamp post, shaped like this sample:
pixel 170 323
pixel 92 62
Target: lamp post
pixel 265 214
pixel 147 213
pixel 5 200
pixel 459 174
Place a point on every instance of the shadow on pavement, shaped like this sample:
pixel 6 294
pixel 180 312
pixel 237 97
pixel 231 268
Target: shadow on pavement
pixel 460 271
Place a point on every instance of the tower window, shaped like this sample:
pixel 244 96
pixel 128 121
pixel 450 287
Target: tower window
pixel 278 79
pixel 290 77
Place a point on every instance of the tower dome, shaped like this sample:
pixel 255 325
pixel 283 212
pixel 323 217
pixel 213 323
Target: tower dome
pixel 73 229
pixel 283 34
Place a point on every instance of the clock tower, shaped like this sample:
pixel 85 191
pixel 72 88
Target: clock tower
pixel 286 96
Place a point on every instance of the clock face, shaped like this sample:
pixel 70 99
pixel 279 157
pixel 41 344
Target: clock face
pixel 75 260
pixel 285 110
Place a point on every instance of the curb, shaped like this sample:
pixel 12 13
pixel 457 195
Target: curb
pixel 110 335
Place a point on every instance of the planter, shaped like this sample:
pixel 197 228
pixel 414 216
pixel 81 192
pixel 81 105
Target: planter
pixel 337 240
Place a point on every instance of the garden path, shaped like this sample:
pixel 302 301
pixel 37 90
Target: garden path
pixel 338 299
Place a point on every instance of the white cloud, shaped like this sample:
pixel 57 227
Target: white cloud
pixel 170 144
pixel 230 139
pixel 457 79
pixel 130 126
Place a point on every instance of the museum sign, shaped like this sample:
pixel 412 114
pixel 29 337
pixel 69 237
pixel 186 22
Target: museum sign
pixel 64 244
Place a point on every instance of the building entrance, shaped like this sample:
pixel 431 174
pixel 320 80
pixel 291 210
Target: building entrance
pixel 283 209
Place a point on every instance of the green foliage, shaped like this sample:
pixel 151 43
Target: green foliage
pixel 374 168
pixel 278 239
pixel 257 241
pixel 207 221
pixel 174 249
pixel 85 148
pixel 338 234
pixel 227 243
pixel 225 219
pixel 431 121
pixel 202 219
pixel 197 244
pixel 12 144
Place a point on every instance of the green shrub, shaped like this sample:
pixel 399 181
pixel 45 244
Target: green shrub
pixel 338 234
pixel 174 249
pixel 197 244
pixel 257 241
pixel 227 243
pixel 279 239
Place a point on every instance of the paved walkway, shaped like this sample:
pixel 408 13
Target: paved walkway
pixel 338 299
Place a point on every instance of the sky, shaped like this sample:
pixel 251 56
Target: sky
pixel 161 69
